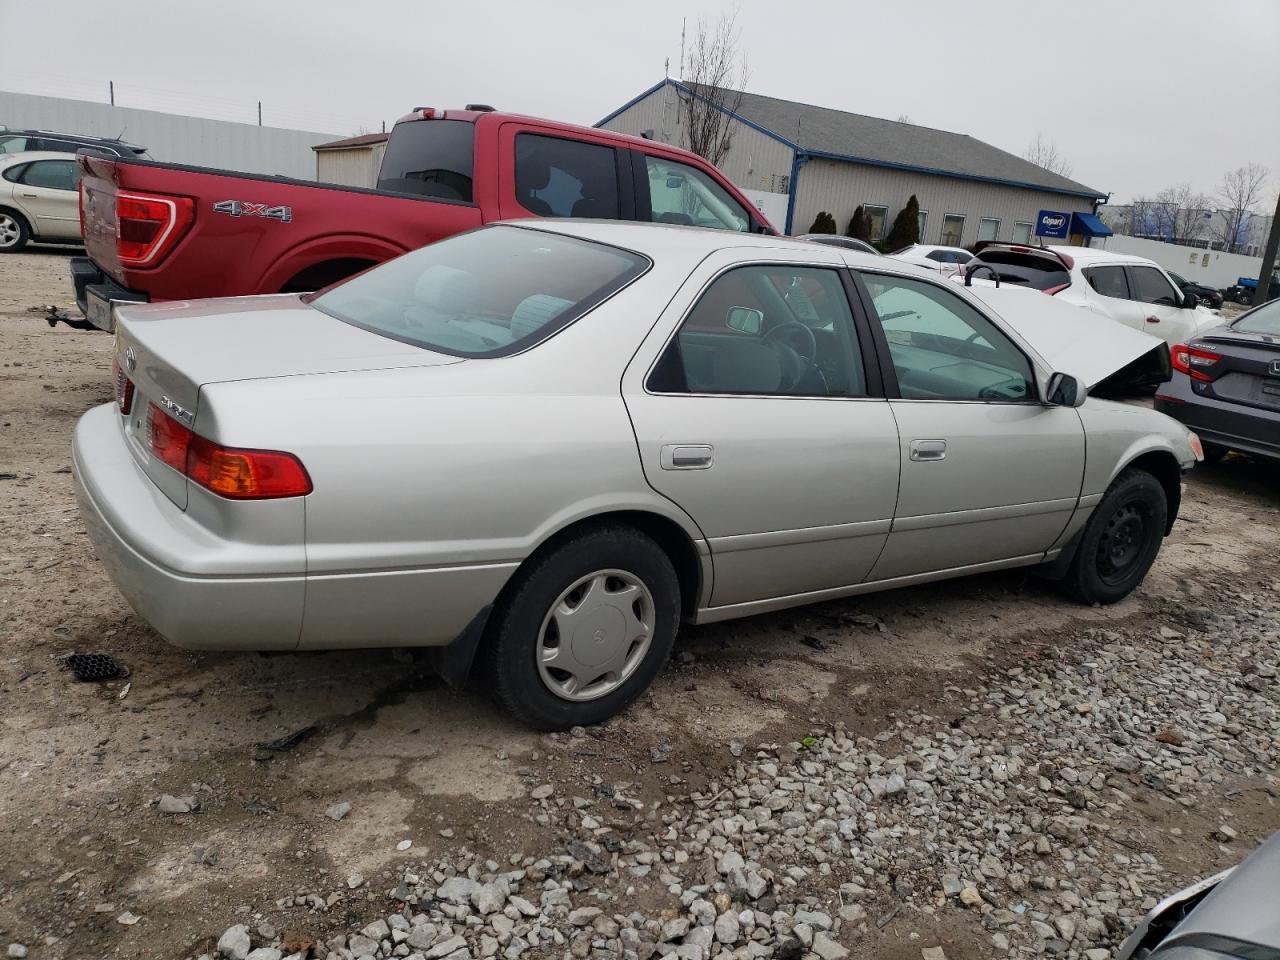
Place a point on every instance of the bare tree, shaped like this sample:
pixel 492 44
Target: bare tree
pixel 1044 153
pixel 1180 214
pixel 1238 195
pixel 717 75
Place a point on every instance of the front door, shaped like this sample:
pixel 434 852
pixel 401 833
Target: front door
pixel 757 411
pixel 989 474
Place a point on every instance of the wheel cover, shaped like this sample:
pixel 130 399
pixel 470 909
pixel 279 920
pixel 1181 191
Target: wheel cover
pixel 1123 543
pixel 9 231
pixel 595 635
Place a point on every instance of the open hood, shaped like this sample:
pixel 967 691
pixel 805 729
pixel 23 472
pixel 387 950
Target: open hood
pixel 1075 340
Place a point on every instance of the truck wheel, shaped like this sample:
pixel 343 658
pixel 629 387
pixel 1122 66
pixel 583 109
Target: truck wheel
pixel 1120 541
pixel 14 232
pixel 584 629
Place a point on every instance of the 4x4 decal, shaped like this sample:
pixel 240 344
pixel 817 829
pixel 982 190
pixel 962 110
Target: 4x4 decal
pixel 243 208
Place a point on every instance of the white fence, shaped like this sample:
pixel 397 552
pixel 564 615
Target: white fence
pixel 170 137
pixel 1213 268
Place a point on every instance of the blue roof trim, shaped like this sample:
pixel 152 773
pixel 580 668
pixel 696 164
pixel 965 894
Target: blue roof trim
pixel 823 155
pixel 1089 225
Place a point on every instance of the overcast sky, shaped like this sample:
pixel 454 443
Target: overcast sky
pixel 1138 94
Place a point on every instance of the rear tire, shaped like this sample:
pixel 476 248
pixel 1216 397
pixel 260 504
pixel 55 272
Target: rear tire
pixel 14 232
pixel 583 629
pixel 1120 541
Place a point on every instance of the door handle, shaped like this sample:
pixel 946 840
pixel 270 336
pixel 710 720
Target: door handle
pixel 31 196
pixel 1153 319
pixel 928 449
pixel 686 456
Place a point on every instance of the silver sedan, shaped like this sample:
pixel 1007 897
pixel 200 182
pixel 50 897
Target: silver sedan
pixel 537 448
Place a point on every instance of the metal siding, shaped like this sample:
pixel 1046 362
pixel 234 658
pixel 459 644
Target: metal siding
pixel 753 157
pixel 839 187
pixel 356 167
pixel 170 137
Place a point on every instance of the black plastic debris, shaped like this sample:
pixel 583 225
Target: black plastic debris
pixel 264 751
pixel 95 667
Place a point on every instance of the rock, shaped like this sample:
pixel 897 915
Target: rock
pixel 172 804
pixel 970 897
pixel 828 949
pixel 853 913
pixel 17 951
pixel 583 916
pixel 542 792
pixel 445 948
pixel 338 810
pixel 1224 834
pixel 727 928
pixel 1066 928
pixel 127 919
pixel 489 898
pixel 1097 953
pixel 730 862
pixel 234 942
pixel 933 953
pixel 378 930
pixel 404 845
pixel 457 890
pixel 675 929
pixel 265 953
pixel 360 945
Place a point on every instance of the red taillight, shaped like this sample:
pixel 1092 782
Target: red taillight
pixel 231 472
pixel 1058 289
pixel 149 225
pixel 122 386
pixel 1194 361
pixel 1066 261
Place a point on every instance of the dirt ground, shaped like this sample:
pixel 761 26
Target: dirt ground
pixel 82 764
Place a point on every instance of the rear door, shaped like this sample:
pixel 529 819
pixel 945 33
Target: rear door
pixel 1159 302
pixel 1109 287
pixel 45 192
pixel 989 474
pixel 757 409
pixel 548 174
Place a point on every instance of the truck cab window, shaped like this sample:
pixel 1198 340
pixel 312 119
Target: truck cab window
pixel 430 158
pixel 566 178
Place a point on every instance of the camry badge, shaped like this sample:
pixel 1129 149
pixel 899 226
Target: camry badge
pixel 179 412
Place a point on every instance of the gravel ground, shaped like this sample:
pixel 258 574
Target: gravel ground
pixel 977 767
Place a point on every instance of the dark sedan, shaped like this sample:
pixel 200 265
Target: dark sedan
pixel 1206 295
pixel 1226 385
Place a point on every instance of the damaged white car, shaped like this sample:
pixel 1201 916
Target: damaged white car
pixel 538 447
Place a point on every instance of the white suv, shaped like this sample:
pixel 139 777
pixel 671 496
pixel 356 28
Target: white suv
pixel 945 260
pixel 1132 290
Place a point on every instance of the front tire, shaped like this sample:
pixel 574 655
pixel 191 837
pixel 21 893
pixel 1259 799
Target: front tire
pixel 1120 541
pixel 14 232
pixel 584 629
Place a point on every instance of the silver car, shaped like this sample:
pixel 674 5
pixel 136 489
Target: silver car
pixel 39 199
pixel 541 446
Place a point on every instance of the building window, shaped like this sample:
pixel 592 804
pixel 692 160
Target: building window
pixel 952 230
pixel 988 228
pixel 1022 231
pixel 875 220
pixel 922 221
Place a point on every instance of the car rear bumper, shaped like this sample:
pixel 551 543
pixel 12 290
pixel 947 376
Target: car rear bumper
pixel 1231 425
pixel 140 535
pixel 95 292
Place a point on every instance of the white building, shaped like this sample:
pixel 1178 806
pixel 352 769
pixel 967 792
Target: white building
pixel 795 160
pixel 353 162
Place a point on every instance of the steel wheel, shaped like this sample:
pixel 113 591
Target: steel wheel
pixel 1121 545
pixel 10 231
pixel 595 635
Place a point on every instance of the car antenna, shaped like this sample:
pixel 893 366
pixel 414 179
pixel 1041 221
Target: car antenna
pixel 120 135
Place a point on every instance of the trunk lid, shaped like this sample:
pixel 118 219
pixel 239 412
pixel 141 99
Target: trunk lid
pixel 1075 340
pixel 168 351
pixel 98 206
pixel 1248 371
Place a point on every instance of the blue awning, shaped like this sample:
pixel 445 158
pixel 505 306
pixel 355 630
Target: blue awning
pixel 1087 225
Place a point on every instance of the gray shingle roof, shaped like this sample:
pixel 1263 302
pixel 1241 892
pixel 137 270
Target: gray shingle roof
pixel 871 139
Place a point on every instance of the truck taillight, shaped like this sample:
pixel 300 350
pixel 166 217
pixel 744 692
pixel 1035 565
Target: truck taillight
pixel 231 472
pixel 122 386
pixel 1195 362
pixel 149 225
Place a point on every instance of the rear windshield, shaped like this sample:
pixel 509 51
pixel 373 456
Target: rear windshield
pixel 430 158
pixel 1264 320
pixel 1030 270
pixel 488 293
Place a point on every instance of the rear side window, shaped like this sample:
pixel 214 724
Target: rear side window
pixel 13 144
pixel 1028 270
pixel 488 293
pixel 52 174
pixel 1150 286
pixel 679 193
pixel 1109 281
pixel 430 158
pixel 1264 320
pixel 566 178
pixel 14 174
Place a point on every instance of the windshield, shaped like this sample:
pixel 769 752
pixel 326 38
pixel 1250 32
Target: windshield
pixel 431 158
pixel 488 293
pixel 1265 320
pixel 1040 272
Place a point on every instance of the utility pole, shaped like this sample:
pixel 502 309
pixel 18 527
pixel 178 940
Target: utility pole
pixel 259 113
pixel 1268 258
pixel 384 126
pixel 111 92
pixel 683 22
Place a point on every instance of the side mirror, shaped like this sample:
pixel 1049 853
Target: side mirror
pixel 1065 391
pixel 745 320
pixel 1190 301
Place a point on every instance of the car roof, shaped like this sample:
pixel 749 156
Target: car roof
pixel 1092 255
pixel 26 156
pixel 669 239
pixel 79 137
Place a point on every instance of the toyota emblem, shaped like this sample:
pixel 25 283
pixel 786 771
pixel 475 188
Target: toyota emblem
pixel 130 360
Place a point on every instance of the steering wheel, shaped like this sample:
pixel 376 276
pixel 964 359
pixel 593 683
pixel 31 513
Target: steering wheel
pixel 797 349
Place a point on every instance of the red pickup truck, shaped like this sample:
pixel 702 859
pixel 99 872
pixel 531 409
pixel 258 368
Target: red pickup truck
pixel 159 231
